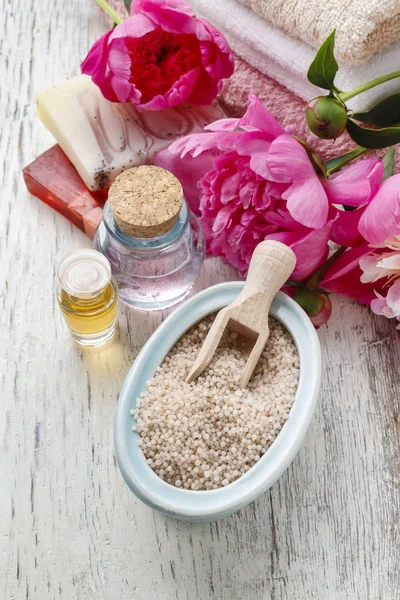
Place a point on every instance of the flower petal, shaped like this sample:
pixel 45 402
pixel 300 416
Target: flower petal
pixel 379 307
pixel 197 143
pixel 393 298
pixel 139 6
pixel 356 184
pixel 259 117
pixel 344 276
pixel 288 162
pixel 188 170
pixel 133 27
pixel 310 247
pixel 223 125
pixel 345 229
pixel 381 218
pixel 95 63
pixel 370 269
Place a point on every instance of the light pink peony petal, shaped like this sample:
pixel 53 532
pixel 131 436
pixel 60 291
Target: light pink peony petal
pixel 223 125
pixel 390 262
pixel 189 171
pixel 311 251
pixel 310 247
pixel 255 144
pixel 197 143
pixel 370 269
pixel 124 91
pixel 149 6
pixel 134 27
pixel 381 218
pixel 379 306
pixel 259 117
pixel 223 219
pixel 174 19
pixel 307 203
pixel 393 298
pixel 356 184
pixel 119 60
pixel 287 162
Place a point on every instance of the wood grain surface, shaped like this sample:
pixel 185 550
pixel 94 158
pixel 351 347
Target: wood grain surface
pixel 69 526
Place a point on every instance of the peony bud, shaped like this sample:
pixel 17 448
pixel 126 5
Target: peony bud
pixel 326 117
pixel 316 304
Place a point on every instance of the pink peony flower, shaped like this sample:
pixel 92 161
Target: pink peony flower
pixel 251 181
pixel 161 56
pixel 382 268
pixel 369 274
pixel 381 218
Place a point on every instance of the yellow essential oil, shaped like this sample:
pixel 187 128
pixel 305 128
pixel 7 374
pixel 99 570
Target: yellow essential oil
pixel 88 297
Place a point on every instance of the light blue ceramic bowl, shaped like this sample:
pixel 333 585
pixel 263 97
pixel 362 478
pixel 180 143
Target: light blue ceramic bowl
pixel 215 504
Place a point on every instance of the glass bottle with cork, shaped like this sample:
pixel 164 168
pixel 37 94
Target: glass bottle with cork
pixel 153 242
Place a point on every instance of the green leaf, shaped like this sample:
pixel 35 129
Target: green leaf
pixel 388 163
pixel 324 67
pixel 384 113
pixel 128 5
pixel 373 138
pixel 334 164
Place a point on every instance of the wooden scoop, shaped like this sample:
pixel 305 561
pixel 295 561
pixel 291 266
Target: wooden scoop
pixel 270 266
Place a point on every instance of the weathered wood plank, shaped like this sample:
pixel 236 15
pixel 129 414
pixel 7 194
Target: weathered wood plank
pixel 69 527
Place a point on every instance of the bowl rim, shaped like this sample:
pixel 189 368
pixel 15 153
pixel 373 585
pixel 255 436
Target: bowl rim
pixel 213 504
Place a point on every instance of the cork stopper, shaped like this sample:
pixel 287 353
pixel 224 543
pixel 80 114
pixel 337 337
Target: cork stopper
pixel 146 201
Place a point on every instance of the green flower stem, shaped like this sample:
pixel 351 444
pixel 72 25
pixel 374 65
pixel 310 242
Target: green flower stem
pixel 313 282
pixel 344 96
pixel 110 11
pixel 337 163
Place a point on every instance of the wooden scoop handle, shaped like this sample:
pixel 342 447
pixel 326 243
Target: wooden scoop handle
pixel 270 267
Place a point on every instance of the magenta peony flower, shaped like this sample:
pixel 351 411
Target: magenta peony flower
pixel 251 181
pixel 161 56
pixel 344 276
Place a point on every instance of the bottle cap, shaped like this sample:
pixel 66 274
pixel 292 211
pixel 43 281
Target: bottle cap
pixel 84 273
pixel 146 201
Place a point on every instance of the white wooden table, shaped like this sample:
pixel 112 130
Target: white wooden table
pixel 69 526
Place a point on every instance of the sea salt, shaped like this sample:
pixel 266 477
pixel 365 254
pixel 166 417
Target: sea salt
pixel 206 434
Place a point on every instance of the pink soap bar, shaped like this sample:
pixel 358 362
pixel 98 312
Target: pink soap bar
pixel 91 220
pixel 54 180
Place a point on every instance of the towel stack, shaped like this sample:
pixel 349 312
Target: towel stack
pixel 280 37
pixel 275 42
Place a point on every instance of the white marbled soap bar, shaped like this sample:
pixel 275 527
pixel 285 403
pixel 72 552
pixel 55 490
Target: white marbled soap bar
pixel 102 138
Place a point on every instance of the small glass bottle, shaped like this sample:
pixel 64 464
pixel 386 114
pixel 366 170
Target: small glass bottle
pixel 88 296
pixel 154 244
